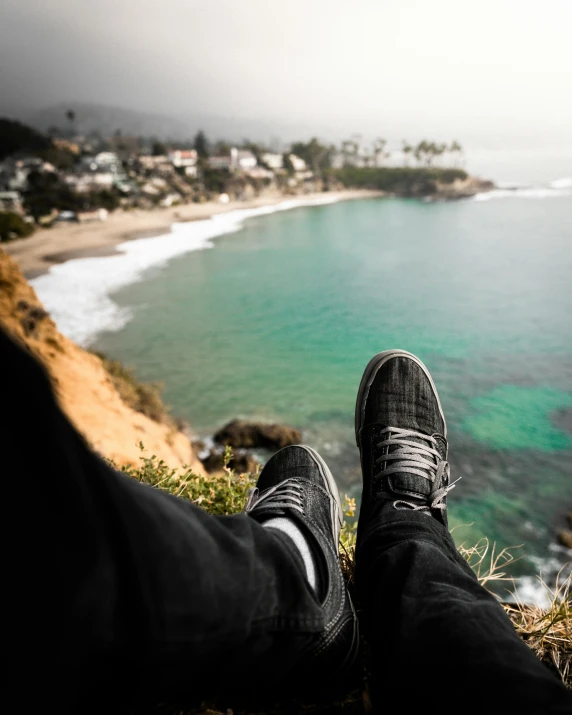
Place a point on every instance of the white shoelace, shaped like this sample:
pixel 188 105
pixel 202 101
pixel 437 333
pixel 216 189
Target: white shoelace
pixel 412 457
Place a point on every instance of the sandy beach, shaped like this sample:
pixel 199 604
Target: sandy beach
pixel 46 247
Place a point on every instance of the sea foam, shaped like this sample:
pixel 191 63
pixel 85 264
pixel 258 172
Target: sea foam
pixel 564 183
pixel 77 293
pixel 559 187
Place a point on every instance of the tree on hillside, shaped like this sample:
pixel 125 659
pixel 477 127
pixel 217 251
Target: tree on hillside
pixel 351 149
pixel 257 149
pixel 407 150
pixel 287 163
pixel 222 148
pixel 201 144
pixel 13 226
pixel 17 138
pixel 158 149
pixel 424 152
pixel 317 156
pixel 442 149
pixel 456 151
pixel 379 152
pixel 70 116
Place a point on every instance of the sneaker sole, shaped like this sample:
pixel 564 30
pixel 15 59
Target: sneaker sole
pixel 331 487
pixel 369 375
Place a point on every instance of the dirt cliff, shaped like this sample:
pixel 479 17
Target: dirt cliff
pixel 84 387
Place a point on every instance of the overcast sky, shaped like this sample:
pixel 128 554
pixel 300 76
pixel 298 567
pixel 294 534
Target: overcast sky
pixel 443 68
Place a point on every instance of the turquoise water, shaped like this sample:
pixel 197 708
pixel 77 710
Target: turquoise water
pixel 277 322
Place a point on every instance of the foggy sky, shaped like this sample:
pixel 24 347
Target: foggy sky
pixel 403 68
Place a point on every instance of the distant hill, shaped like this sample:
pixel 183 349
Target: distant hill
pixel 16 137
pixel 106 120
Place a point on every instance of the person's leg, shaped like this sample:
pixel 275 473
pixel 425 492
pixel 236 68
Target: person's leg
pixel 436 636
pixel 128 594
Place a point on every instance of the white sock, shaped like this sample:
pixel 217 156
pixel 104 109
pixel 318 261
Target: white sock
pixel 299 540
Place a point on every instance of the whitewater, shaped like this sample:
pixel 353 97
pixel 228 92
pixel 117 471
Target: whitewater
pixel 77 293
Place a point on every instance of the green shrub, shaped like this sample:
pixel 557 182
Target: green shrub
pixel 415 181
pixel 220 493
pixel 13 226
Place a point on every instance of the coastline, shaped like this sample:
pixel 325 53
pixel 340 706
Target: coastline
pixel 48 247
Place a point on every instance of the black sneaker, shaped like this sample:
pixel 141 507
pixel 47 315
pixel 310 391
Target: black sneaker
pixel 402 438
pixel 296 483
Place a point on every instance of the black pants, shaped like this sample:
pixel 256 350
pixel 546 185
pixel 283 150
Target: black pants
pixel 121 593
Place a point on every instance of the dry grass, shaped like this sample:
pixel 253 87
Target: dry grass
pixel 547 631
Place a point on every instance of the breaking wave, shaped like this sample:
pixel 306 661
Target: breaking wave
pixel 77 293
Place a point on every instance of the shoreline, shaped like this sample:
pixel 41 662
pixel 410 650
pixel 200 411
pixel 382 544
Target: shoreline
pixel 48 247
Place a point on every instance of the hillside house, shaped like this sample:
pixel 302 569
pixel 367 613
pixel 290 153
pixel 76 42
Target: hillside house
pixel 273 161
pixel 86 182
pixel 11 201
pixel 186 159
pixel 220 163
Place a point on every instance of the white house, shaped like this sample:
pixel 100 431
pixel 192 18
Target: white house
pixel 298 163
pixel 82 183
pixel 181 157
pixel 11 201
pixel 152 162
pixel 185 159
pixel 273 161
pixel 238 160
pixel 19 179
pixel 242 160
pixel 108 160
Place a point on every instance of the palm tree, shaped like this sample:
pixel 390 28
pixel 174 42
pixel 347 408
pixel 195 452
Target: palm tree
pixel 456 150
pixel 347 151
pixel 379 152
pixel 423 152
pixel 440 150
pixel 70 115
pixel 350 150
pixel 407 149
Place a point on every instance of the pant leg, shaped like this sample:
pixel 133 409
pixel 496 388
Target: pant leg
pixel 119 592
pixel 435 635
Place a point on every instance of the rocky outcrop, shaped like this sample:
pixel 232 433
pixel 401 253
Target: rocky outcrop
pixel 460 189
pixel 565 535
pixel 565 538
pixel 241 461
pixel 83 386
pixel 246 435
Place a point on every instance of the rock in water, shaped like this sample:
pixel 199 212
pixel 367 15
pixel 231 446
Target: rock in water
pixel 241 462
pixel 565 538
pixel 243 434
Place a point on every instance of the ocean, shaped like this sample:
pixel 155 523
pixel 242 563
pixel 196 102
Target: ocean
pixel 273 314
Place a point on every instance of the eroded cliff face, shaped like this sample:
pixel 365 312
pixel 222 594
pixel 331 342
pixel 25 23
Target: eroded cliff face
pixel 83 386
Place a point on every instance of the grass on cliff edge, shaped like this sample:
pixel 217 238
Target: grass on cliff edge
pixel 548 632
pixel 144 397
